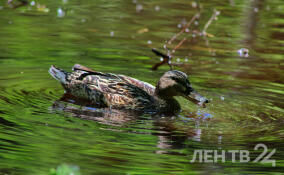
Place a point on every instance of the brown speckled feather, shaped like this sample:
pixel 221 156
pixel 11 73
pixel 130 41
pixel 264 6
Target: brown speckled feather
pixel 150 89
pixel 105 89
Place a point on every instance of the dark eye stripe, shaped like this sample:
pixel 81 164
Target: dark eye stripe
pixel 178 80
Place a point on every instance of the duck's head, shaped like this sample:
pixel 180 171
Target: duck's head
pixel 175 83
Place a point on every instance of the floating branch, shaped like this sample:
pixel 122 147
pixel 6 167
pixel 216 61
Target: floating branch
pixel 213 17
pixel 166 60
pixel 167 57
pixel 184 28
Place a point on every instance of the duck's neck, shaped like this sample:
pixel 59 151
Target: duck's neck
pixel 167 104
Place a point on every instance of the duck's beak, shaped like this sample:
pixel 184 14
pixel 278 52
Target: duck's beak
pixel 196 98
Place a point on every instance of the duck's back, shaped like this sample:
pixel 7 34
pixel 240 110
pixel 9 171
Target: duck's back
pixel 105 89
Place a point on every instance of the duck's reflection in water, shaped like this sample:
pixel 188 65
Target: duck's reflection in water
pixel 170 135
pixel 173 137
pixel 102 115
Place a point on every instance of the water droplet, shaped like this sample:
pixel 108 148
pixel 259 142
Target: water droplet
pixel 111 33
pixel 139 7
pixel 161 59
pixel 149 42
pixel 32 3
pixel 60 13
pixel 243 52
pixel 157 8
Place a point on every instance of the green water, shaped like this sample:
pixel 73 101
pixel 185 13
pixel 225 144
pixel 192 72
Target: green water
pixel 39 133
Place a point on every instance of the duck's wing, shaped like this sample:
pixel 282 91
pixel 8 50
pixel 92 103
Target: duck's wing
pixel 120 93
pixel 110 89
pixel 150 89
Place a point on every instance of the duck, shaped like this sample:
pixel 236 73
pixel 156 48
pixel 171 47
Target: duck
pixel 116 91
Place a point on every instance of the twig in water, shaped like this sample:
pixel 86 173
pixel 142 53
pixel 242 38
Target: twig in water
pixel 213 17
pixel 183 29
pixel 166 59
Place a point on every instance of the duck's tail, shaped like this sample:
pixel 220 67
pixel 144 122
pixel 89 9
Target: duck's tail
pixel 58 74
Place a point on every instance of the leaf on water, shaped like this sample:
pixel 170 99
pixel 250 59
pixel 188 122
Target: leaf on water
pixel 42 8
pixel 209 35
pixel 144 30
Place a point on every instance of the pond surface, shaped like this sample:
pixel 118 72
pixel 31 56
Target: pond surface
pixel 38 132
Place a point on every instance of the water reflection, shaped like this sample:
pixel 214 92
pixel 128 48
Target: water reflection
pixel 170 135
pixel 103 115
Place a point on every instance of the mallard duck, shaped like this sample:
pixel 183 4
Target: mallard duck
pixel 123 92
